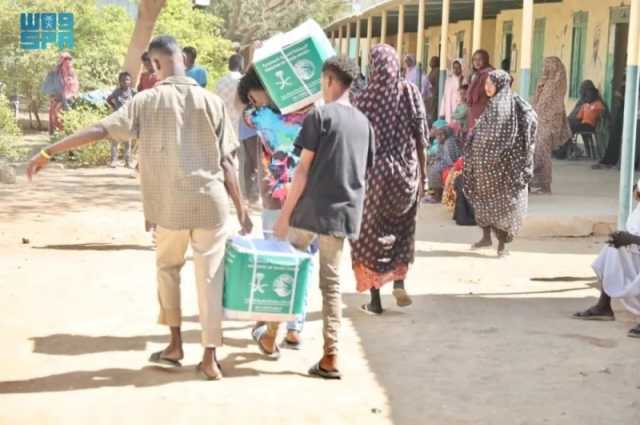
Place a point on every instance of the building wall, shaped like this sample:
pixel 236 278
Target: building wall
pixel 558 35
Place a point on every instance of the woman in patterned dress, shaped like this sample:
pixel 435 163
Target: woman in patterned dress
pixel 553 126
pixel 499 162
pixel 395 183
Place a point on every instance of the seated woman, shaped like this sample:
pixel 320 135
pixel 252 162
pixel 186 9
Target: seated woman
pixel 618 270
pixel 585 115
pixel 446 151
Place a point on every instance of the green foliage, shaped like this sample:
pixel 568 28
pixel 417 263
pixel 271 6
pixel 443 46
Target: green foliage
pixel 202 30
pixel 9 132
pixel 79 117
pixel 249 20
pixel 101 38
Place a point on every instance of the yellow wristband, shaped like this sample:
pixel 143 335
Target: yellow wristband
pixel 45 154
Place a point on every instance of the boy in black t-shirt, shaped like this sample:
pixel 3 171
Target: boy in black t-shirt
pixel 327 195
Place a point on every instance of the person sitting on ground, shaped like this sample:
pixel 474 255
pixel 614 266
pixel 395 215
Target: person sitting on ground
pixel 327 194
pixel 448 151
pixel 148 78
pixel 618 270
pixel 121 95
pixel 194 71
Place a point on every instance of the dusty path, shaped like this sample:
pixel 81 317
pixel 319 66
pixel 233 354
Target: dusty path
pixel 487 341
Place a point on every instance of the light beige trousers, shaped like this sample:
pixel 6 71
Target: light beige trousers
pixel 208 247
pixel 330 255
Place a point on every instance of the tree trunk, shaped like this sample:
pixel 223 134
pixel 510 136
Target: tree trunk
pixel 148 12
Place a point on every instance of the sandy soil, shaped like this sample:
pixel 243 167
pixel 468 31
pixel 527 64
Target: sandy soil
pixel 486 342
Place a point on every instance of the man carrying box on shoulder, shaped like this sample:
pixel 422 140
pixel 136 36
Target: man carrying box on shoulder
pixel 186 144
pixel 327 195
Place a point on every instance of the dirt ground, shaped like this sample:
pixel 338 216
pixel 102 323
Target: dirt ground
pixel 487 341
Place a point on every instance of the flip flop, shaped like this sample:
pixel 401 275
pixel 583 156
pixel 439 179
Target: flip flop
pixel 157 359
pixel 590 315
pixel 290 345
pixel 365 309
pixel 257 334
pixel 204 375
pixel 317 370
pixel 402 298
pixel 634 333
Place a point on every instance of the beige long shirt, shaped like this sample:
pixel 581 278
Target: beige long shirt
pixel 183 133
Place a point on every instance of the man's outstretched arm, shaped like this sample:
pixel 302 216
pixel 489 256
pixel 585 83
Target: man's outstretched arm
pixel 80 138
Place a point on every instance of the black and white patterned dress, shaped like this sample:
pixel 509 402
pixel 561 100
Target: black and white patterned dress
pixel 499 159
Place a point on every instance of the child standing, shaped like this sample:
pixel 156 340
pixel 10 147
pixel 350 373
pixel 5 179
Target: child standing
pixel 121 95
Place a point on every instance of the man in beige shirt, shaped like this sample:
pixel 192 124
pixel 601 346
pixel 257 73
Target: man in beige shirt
pixel 186 143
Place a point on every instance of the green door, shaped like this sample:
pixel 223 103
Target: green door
pixel 537 56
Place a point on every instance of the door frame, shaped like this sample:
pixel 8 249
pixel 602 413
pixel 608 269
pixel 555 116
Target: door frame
pixel 540 23
pixel 617 15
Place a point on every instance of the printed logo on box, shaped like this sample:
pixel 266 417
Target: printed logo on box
pixel 39 30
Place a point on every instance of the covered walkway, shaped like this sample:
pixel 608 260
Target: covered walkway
pixel 446 28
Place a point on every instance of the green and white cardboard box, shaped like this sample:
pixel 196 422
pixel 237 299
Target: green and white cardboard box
pixel 290 66
pixel 264 280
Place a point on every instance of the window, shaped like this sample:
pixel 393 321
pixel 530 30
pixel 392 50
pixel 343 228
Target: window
pixel 578 50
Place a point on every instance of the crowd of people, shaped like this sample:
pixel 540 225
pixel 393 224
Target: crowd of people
pixel 356 170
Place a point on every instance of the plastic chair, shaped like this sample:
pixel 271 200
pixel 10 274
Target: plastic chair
pixel 589 143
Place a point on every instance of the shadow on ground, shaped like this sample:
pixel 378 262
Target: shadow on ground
pixel 503 358
pixel 97 247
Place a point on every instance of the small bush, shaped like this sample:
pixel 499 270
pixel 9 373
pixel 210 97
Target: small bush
pixel 9 132
pixel 77 118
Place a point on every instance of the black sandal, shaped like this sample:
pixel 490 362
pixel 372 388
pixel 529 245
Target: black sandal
pixel 634 333
pixel 365 308
pixel 320 372
pixel 159 360
pixel 592 314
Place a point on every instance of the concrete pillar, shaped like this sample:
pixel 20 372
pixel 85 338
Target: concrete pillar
pixel 444 36
pixel 525 48
pixel 420 41
pixel 627 156
pixel 477 24
pixel 358 29
pixel 400 30
pixel 345 50
pixel 340 41
pixel 383 27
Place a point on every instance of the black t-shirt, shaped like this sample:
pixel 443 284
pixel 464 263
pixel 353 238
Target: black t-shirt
pixel 343 143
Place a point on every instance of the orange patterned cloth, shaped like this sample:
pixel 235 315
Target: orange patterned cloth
pixel 367 278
